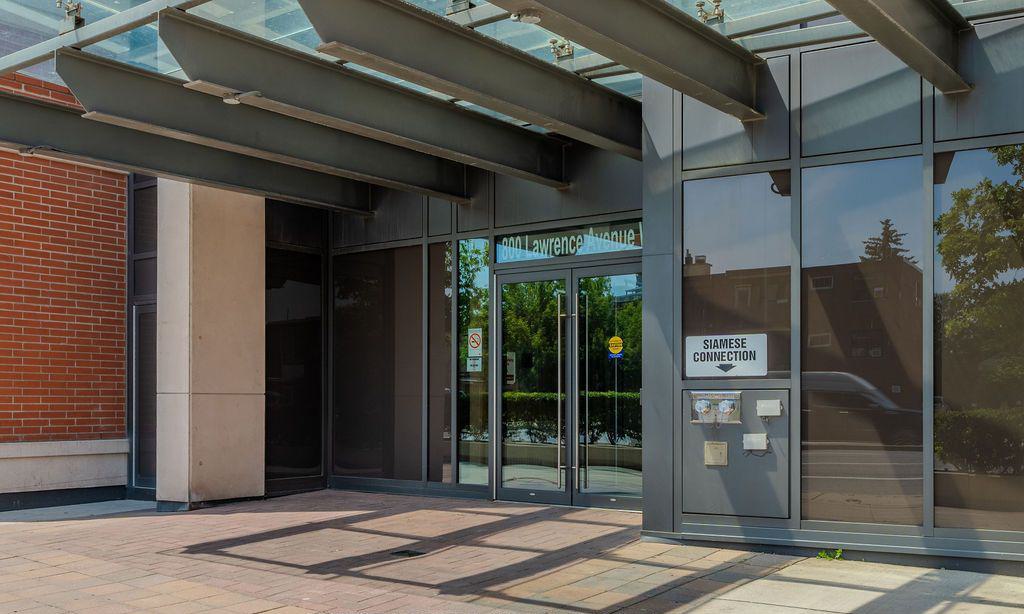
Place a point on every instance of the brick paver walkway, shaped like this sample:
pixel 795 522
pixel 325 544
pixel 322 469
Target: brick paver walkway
pixel 343 552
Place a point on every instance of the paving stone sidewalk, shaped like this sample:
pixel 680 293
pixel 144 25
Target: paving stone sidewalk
pixel 333 551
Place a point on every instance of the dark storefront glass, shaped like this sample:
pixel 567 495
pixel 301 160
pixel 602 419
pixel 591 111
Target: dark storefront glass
pixel 144 213
pixel 294 364
pixel 979 339
pixel 145 395
pixel 736 269
pixel 861 416
pixel 378 361
pixel 473 305
pixel 439 365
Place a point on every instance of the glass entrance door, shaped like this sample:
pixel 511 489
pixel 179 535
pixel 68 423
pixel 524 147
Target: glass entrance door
pixel 607 383
pixel 569 356
pixel 533 329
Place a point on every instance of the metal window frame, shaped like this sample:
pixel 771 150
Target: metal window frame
pixel 455 488
pixel 146 489
pixel 926 539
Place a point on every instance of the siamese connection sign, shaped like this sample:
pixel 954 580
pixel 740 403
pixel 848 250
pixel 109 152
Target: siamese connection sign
pixel 727 356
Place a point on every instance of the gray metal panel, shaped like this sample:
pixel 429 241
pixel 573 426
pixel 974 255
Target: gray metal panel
pixel 858 97
pixel 59 131
pixel 660 377
pixel 750 485
pixel 118 94
pixel 659 41
pixel 223 61
pixel 922 33
pixel 434 52
pixel 439 217
pixel 711 138
pixel 603 182
pixel 476 215
pixel 397 216
pixel 993 60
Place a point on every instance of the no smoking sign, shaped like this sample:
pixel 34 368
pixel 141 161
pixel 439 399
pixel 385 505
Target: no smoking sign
pixel 475 339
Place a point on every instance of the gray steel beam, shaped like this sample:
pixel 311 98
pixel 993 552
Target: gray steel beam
pixel 660 41
pixel 128 19
pixel 925 34
pixel 405 41
pixel 223 62
pixel 57 131
pixel 125 96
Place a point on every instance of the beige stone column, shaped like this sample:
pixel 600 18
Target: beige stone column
pixel 210 345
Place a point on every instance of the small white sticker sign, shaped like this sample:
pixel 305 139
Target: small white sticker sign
pixel 727 356
pixel 475 340
pixel 474 364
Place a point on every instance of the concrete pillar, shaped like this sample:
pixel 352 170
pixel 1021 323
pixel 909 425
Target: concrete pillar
pixel 210 345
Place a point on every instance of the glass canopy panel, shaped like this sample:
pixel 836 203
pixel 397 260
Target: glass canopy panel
pixel 24 23
pixel 738 9
pixel 529 38
pixel 141 48
pixel 630 84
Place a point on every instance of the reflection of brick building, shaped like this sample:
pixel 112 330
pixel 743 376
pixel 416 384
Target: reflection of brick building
pixel 862 318
pixel 865 318
pixel 739 301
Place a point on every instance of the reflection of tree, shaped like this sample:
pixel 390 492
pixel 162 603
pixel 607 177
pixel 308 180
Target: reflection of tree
pixel 979 323
pixel 887 246
pixel 473 304
pixel 603 314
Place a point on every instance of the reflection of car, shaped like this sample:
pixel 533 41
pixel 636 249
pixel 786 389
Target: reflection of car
pixel 843 407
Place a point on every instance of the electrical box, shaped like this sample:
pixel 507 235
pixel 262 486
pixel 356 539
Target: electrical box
pixel 736 453
pixel 716 453
pixel 769 408
pixel 755 441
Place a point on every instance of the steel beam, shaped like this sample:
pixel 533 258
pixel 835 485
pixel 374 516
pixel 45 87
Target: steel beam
pixel 925 34
pixel 405 41
pixel 660 41
pixel 223 62
pixel 126 20
pixel 115 93
pixel 57 131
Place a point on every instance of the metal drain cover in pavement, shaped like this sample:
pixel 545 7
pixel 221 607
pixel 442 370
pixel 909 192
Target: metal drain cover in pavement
pixel 407 553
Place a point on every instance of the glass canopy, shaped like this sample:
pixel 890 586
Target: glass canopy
pixel 24 23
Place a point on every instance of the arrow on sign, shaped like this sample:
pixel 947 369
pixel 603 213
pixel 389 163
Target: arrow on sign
pixel 727 367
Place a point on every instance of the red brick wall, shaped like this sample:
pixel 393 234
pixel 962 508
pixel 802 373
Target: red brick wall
pixel 62 294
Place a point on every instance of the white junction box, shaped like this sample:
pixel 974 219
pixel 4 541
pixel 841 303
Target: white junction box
pixel 755 441
pixel 769 408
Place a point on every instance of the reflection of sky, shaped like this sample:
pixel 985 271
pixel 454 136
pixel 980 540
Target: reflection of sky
pixel 737 222
pixel 844 205
pixel 478 247
pixel 969 168
pixel 622 285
